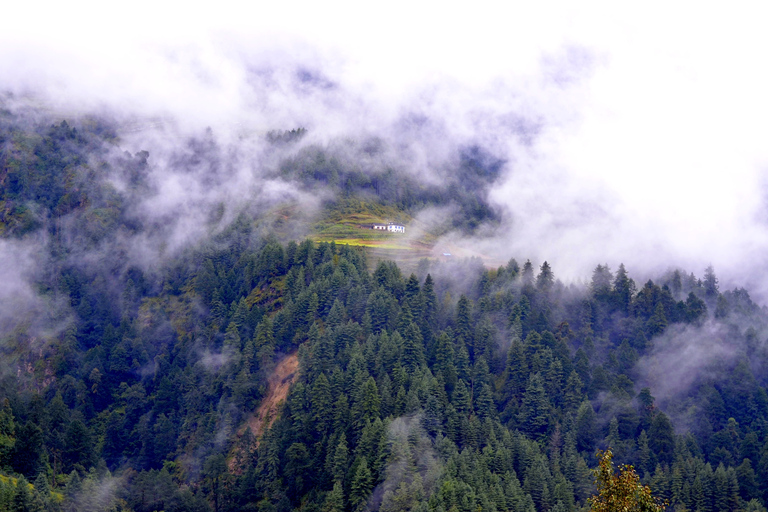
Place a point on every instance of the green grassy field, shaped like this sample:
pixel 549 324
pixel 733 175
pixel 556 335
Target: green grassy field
pixel 341 223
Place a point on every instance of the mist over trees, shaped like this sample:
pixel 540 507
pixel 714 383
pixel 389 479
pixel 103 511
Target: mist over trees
pixel 130 364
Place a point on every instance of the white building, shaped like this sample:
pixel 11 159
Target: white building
pixel 390 226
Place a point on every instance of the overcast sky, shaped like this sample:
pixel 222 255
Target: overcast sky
pixel 652 148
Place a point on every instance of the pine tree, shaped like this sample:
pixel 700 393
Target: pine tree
pixel 405 318
pixel 662 440
pixel 428 314
pixel 462 363
pixel 527 273
pixel 334 500
pixel 322 401
pixel 412 288
pixel 535 413
pixel 747 481
pixel 623 290
pixel 574 392
pixel 413 348
pixel 341 418
pixel 29 449
pixel 7 433
pixel 461 399
pixel 23 500
pixel 484 402
pixel 536 483
pixel 601 283
pixel 586 427
pixel 433 416
pixel 362 484
pixel 368 405
pixel 710 281
pixel 385 392
pixel 337 315
pixel 658 321
pixel 445 366
pixel 340 459
pixel 546 279
pixel 720 495
pixel 644 452
pixel 464 330
pixel 695 309
pixel 722 308
pixel 515 373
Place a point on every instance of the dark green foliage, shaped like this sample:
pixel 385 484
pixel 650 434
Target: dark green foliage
pixel 534 416
pixel 662 441
pixel 29 450
pixel 546 279
pixel 361 486
pixel 491 397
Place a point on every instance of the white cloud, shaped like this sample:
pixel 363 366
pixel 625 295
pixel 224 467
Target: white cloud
pixel 652 142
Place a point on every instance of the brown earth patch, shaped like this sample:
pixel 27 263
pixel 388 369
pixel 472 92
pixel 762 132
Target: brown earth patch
pixel 279 383
pixel 283 376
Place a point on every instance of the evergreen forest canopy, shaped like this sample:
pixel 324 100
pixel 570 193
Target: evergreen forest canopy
pixel 457 388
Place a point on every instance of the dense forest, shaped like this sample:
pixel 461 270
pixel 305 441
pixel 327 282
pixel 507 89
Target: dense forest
pixel 456 388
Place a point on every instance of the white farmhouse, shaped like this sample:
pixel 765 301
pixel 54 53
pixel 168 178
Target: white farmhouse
pixel 390 226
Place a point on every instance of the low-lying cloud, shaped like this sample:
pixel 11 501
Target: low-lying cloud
pixel 685 356
pixel 637 139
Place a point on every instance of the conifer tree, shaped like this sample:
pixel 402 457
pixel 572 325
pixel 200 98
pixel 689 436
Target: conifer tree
pixel 461 399
pixel 412 289
pixel 464 329
pixel 658 321
pixel 340 459
pixel 23 499
pixel 462 362
pixel 428 313
pixel 368 405
pixel 334 500
pixel 601 283
pixel 515 373
pixel 623 290
pixel 7 433
pixel 534 413
pixel 362 484
pixel 644 452
pixel 536 483
pixel 337 314
pixel 322 401
pixel 695 309
pixel 574 392
pixel 484 402
pixel 445 366
pixel 710 283
pixel 747 481
pixel 586 427
pixel 546 278
pixel 527 273
pixel 662 441
pixel 413 348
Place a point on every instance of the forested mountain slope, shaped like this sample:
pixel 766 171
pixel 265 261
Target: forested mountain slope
pixel 125 384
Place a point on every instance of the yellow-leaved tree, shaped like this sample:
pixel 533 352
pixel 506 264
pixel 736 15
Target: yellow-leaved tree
pixel 622 491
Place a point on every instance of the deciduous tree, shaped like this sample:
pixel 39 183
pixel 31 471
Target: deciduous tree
pixel 622 491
